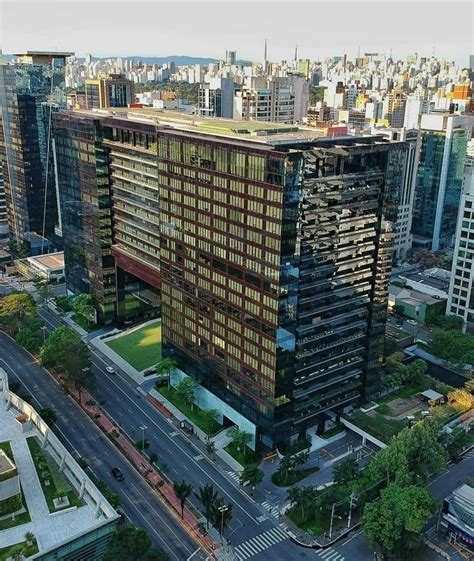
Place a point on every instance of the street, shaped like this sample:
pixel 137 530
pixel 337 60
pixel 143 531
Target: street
pixel 83 439
pixel 254 531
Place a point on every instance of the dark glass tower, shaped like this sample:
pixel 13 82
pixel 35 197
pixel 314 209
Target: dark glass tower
pixel 30 90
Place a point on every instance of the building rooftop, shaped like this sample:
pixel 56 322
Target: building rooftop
pixel 44 53
pixel 262 132
pixel 49 260
pixel 428 281
pixel 17 424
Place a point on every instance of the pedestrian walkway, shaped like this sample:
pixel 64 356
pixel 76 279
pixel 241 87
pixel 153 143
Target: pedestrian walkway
pixel 330 554
pixel 234 476
pixel 259 543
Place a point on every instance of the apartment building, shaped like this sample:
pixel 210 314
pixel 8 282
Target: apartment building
pixel 109 90
pixel 461 287
pixel 268 254
pixel 265 99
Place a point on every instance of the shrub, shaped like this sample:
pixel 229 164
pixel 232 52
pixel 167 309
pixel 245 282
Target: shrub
pixel 12 504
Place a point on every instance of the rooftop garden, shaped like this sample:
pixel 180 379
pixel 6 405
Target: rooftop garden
pixel 57 491
pixel 20 550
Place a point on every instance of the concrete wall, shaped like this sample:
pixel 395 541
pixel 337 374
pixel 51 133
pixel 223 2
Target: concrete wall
pixel 207 400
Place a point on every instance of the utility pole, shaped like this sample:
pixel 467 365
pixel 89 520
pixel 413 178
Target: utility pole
pixel 143 428
pixel 332 518
pixel 353 502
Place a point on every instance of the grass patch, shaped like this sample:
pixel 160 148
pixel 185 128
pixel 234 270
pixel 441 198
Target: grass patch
pixel 195 415
pixel 20 519
pixel 140 348
pixel 333 432
pixel 249 457
pixel 294 476
pixel 5 446
pixel 48 471
pixel 316 527
pixel 19 548
pixel 377 425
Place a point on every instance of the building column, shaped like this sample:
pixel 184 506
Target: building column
pixel 82 489
pixel 63 461
pixel 97 510
pixel 45 439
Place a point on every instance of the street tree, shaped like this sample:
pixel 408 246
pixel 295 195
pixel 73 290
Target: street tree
pixel 209 415
pixel 182 490
pixel 66 352
pixel 166 367
pixel 251 474
pixel 16 309
pixel 208 497
pixel 82 306
pixel 346 471
pixel 284 468
pixel 133 544
pixel 300 459
pixel 240 439
pixel 395 522
pixel 48 415
pixel 187 390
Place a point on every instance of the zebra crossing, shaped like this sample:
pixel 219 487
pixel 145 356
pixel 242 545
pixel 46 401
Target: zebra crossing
pixel 259 543
pixel 273 510
pixel 330 554
pixel 469 454
pixel 234 476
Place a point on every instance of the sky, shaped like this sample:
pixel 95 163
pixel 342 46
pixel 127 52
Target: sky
pixel 321 28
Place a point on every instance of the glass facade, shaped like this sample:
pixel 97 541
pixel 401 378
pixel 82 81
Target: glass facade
pixel 271 263
pixel 84 192
pixel 29 92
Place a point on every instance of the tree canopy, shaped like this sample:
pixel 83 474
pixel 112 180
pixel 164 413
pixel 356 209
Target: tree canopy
pixel 453 345
pixel 133 544
pixel 16 309
pixel 396 520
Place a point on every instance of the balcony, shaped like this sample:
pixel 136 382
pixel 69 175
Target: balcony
pixel 330 362
pixel 321 408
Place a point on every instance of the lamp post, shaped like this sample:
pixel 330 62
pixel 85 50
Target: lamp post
pixel 44 329
pixel 143 429
pixel 222 509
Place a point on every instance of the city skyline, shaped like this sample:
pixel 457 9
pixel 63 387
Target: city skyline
pixel 360 28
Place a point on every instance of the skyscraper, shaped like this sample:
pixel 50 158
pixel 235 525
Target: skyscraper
pixel 461 288
pixel 270 252
pixel 30 91
pixel 444 139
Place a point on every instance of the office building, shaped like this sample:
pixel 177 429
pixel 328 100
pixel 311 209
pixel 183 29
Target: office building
pixel 216 98
pixel 265 99
pixel 461 288
pixel 230 57
pixel 269 251
pixel 31 90
pixel 3 209
pixel 109 90
pixel 444 139
pixel 63 530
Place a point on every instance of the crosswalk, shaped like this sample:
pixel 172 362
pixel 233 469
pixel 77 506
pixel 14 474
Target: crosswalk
pixel 469 454
pixel 234 476
pixel 330 554
pixel 272 509
pixel 259 543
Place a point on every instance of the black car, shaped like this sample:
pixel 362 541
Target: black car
pixel 117 474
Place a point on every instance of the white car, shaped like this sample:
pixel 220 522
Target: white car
pixel 412 322
pixel 110 370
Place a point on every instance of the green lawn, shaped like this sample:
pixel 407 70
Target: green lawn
pixel 209 426
pixel 20 519
pixel 5 447
pixel 48 471
pixel 250 457
pixel 316 526
pixel 20 548
pixel 377 425
pixel 294 476
pixel 140 348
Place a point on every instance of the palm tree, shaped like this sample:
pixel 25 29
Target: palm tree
pixel 252 474
pixel 207 496
pixel 166 366
pixel 182 491
pixel 240 438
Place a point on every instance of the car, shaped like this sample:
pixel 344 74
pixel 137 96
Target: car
pixel 412 322
pixel 110 370
pixel 117 473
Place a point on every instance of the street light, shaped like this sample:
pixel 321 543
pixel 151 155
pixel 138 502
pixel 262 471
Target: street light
pixel 44 329
pixel 222 509
pixel 143 429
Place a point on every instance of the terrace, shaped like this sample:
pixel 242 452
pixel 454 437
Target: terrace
pixel 47 476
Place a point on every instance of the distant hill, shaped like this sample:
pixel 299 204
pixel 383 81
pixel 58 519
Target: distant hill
pixel 179 60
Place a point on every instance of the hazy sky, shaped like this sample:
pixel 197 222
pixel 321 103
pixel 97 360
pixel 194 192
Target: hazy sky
pixel 197 28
